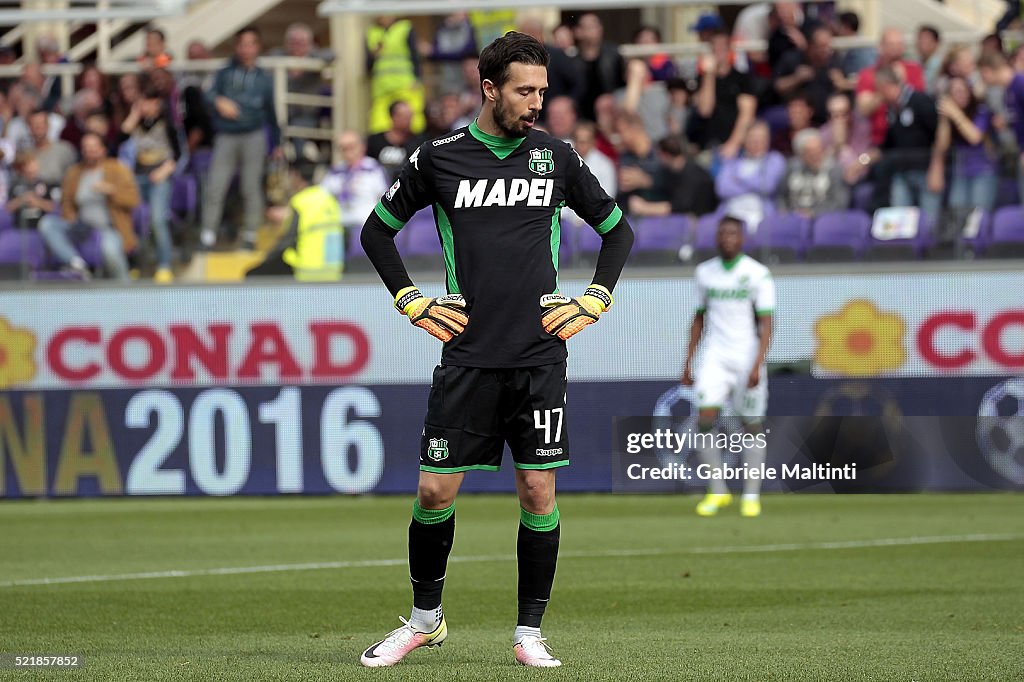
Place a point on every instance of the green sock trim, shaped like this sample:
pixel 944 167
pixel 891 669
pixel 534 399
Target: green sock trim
pixel 430 516
pixel 539 522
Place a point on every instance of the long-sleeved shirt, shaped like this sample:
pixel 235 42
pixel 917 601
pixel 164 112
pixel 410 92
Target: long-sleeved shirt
pixel 814 190
pixel 253 91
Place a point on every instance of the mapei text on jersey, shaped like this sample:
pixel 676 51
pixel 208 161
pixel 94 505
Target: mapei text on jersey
pixel 477 193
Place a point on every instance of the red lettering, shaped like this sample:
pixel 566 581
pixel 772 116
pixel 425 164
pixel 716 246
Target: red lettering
pixel 926 340
pixel 992 339
pixel 268 346
pixel 324 366
pixel 213 357
pixel 55 353
pixel 155 350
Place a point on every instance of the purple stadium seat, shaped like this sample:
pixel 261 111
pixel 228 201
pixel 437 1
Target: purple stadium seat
pixel 863 196
pixel 199 163
pixel 184 197
pixel 90 250
pixel 6 220
pixel 658 239
pixel 904 249
pixel 588 241
pixel 140 221
pixel 1007 236
pixel 839 235
pixel 354 248
pixel 783 237
pixel 976 245
pixel 1008 193
pixel 567 243
pixel 705 240
pixel 419 243
pixel 19 247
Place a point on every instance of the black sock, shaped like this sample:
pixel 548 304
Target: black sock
pixel 431 534
pixel 537 551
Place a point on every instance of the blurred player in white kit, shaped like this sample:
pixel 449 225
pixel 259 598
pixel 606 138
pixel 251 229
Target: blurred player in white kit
pixel 734 318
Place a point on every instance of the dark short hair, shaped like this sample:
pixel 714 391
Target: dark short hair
pixel 513 47
pixel 393 107
pixel 671 146
pixel 153 30
pixel 653 29
pixel 994 38
pixel 305 170
pixel 801 96
pixel 850 20
pixel 930 30
pixel 151 91
pixel 248 29
pixel 728 219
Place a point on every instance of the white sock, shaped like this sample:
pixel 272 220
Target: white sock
pixel 426 620
pixel 753 457
pixel 523 631
pixel 713 458
pixel 750 497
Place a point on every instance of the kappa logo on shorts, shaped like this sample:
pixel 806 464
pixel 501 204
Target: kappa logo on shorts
pixel 438 449
pixel 542 161
pixel 553 452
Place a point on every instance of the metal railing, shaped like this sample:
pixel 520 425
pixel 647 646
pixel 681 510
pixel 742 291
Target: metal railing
pixel 277 66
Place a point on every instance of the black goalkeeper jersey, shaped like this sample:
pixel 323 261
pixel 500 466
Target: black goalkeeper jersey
pixel 496 204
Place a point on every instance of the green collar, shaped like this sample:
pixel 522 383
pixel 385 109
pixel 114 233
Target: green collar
pixel 500 146
pixel 731 263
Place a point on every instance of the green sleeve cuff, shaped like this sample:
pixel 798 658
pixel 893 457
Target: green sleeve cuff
pixel 766 312
pixel 611 221
pixel 385 215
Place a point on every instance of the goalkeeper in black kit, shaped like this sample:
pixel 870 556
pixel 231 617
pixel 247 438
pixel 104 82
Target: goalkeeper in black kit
pixel 496 189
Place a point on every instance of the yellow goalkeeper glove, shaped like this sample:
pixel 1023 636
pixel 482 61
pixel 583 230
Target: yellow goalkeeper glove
pixel 567 316
pixel 442 317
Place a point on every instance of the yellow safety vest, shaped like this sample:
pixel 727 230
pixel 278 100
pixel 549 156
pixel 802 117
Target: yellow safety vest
pixel 491 24
pixel 393 66
pixel 319 251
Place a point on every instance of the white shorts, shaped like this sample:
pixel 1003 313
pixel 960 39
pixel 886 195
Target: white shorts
pixel 722 382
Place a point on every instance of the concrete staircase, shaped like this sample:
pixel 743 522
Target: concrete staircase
pixel 214 22
pixel 953 17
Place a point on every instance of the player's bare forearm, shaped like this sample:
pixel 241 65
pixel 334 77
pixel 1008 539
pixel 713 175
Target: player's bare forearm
pixel 764 324
pixel 696 331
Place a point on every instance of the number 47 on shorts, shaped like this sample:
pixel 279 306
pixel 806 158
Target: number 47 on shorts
pixel 542 420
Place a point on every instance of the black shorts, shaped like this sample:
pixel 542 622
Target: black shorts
pixel 472 412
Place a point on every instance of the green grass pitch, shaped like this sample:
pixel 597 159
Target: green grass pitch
pixel 646 590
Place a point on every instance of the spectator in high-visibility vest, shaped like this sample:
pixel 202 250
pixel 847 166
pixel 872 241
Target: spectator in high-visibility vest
pixel 393 65
pixel 491 24
pixel 312 248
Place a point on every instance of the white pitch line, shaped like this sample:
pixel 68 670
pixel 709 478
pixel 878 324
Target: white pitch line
pixel 625 553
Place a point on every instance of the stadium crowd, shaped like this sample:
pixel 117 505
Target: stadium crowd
pixel 127 172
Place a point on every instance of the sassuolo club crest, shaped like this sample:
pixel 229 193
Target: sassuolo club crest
pixel 542 161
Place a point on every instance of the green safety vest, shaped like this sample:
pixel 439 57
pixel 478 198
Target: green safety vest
pixel 319 251
pixel 393 66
